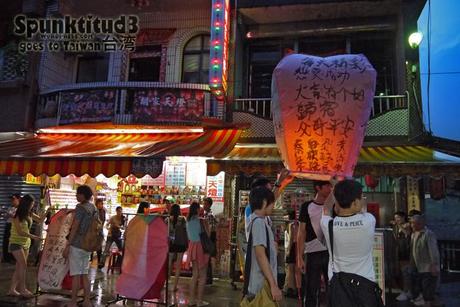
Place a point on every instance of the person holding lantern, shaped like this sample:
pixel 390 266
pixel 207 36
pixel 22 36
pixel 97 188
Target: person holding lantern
pixel 312 254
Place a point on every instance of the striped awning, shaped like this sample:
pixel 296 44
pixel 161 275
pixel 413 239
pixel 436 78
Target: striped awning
pixel 108 153
pixel 376 160
pixel 50 167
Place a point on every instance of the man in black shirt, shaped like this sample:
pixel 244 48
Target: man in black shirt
pixel 312 254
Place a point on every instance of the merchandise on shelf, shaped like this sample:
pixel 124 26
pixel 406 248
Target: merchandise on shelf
pixel 61 199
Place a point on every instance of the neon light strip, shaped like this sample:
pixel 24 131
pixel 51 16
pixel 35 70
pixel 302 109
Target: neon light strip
pixel 120 131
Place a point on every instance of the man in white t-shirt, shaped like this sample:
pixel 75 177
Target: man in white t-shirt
pixel 353 235
pixel 312 252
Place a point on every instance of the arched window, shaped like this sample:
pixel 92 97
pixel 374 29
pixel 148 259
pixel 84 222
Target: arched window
pixel 195 64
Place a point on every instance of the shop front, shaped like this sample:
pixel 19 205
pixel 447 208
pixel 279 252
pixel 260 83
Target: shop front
pixel 123 167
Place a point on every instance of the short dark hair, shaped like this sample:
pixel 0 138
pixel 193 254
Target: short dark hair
pixel 143 205
pixel 260 181
pixel 258 195
pixel 414 212
pixel 208 199
pixel 347 191
pixel 319 183
pixel 402 214
pixel 118 208
pixel 85 191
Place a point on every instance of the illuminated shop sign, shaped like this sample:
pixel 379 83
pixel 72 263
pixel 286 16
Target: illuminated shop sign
pixel 220 30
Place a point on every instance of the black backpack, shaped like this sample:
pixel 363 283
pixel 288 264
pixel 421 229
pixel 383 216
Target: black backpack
pixel 180 234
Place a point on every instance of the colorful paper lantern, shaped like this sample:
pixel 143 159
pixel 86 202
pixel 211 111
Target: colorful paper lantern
pixel 371 181
pixel 321 107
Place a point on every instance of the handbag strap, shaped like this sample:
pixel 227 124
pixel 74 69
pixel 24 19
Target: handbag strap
pixel 248 261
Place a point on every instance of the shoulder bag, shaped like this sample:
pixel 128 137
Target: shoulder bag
pixel 209 247
pixel 351 290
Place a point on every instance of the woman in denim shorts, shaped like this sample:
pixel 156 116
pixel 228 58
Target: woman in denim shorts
pixel 20 243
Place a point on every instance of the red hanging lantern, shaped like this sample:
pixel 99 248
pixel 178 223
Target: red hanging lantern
pixel 371 181
pixel 437 188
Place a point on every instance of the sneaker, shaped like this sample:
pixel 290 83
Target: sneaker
pixel 403 297
pixel 419 301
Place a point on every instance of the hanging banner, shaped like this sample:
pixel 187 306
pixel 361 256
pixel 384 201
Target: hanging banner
pixel 215 189
pixel 87 106
pixel 321 107
pixel 378 253
pixel 413 194
pixel 168 104
pixel 53 267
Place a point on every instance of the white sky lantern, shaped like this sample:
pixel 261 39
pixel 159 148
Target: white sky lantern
pixel 321 107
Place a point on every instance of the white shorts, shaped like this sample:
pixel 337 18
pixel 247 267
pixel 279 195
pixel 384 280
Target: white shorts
pixel 78 261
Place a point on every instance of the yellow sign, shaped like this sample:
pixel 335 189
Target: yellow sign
pixel 31 179
pixel 378 254
pixel 413 192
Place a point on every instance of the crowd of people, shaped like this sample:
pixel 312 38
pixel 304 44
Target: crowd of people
pixel 418 258
pixel 185 235
pixel 328 246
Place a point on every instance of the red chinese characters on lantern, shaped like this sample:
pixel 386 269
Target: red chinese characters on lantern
pixel 320 110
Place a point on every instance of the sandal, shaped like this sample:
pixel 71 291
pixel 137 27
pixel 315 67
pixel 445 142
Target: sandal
pixel 27 294
pixel 13 294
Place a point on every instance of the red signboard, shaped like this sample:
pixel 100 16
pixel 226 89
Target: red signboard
pixel 168 105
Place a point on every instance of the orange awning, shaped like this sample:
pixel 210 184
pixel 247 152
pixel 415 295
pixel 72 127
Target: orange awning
pixel 108 153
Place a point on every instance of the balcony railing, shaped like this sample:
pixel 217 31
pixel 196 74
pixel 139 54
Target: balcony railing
pixel 128 103
pixel 261 107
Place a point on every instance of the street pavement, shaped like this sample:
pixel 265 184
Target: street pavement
pixel 220 294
